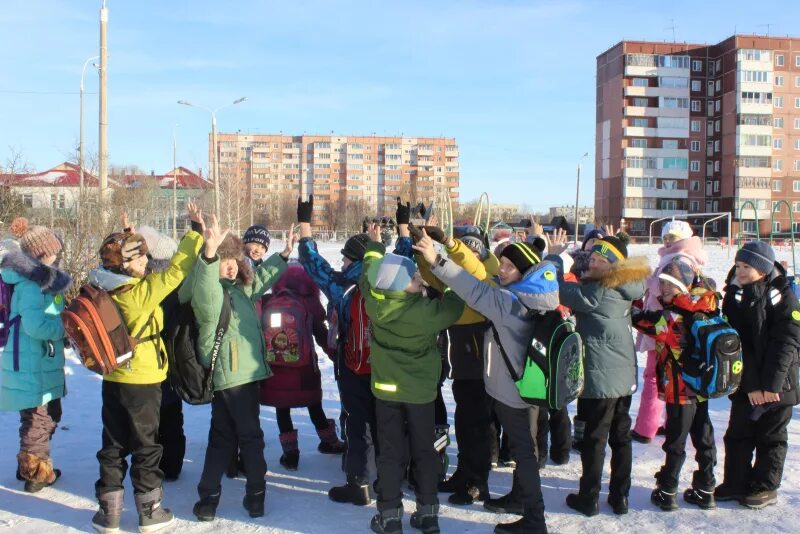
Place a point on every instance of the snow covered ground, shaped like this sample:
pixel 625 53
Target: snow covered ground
pixel 298 502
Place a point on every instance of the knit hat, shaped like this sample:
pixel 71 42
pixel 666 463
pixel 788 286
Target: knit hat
pixel 758 255
pixel 395 273
pixel 679 229
pixel 611 248
pixel 257 234
pixel 120 248
pixel 594 233
pixel 679 272
pixel 355 247
pixel 36 241
pixel 159 246
pixel 538 243
pixel 522 255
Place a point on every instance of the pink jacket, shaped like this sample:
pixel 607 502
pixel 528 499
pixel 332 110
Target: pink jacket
pixel 692 249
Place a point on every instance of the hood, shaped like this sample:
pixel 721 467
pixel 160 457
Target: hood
pixel 628 277
pixel 691 247
pixel 697 300
pixel 17 266
pixel 538 289
pixel 106 280
pixel 296 280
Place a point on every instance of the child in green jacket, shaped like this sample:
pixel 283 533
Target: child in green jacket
pixel 405 372
pixel 222 273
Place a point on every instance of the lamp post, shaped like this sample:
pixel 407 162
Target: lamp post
pixel 215 159
pixel 80 145
pixel 577 194
pixel 174 184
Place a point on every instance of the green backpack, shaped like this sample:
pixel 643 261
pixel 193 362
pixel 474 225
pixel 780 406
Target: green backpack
pixel 553 375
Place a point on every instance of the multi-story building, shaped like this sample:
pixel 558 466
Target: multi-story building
pixel 585 213
pixel 690 128
pixel 346 174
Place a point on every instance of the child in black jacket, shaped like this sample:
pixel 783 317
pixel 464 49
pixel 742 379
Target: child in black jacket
pixel 760 305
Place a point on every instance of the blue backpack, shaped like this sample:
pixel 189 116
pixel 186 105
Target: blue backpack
pixel 711 366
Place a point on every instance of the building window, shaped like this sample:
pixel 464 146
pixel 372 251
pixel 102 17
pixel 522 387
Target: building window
pixel 696 106
pixel 716 166
pixel 716 145
pixel 669 143
pixel 776 185
pixel 797 81
pixel 797 124
pixel 796 206
pixel 718 66
pixel 777 165
pixel 640 123
pixel 717 105
pixel 796 186
pixel 776 226
pixel 695 185
pixel 797 144
pixel 716 186
pixel 640 82
pixel 749 226
pixel 779 60
pixel 777 122
pixel 696 85
pixel 717 125
pixel 777 143
pixel 697 65
pixel 694 206
pixel 695 146
pixel 777 101
pixel 27 200
pixel 640 102
pixel 797 102
pixel 695 166
pixel 797 61
pixel 695 126
pixel 779 81
pixel 639 143
pixel 797 165
pixel 718 86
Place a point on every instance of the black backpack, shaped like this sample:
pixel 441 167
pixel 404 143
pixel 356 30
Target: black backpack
pixel 553 375
pixel 189 379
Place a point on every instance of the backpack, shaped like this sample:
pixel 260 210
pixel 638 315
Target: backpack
pixel 6 322
pixel 189 379
pixel 356 339
pixel 553 374
pixel 711 366
pixel 97 330
pixel 287 330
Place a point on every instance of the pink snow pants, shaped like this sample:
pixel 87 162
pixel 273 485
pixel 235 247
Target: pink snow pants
pixel 651 408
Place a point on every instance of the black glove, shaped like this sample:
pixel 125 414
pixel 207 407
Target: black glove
pixel 423 211
pixel 197 227
pixel 304 209
pixel 436 233
pixel 403 213
pixel 365 225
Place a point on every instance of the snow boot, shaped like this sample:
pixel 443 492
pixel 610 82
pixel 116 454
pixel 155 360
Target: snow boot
pixel 456 482
pixel 726 492
pixel 254 503
pixel 426 518
pixel 152 516
pixel 507 504
pixel 107 517
pixel 357 491
pixel 664 499
pixel 583 504
pixel 531 521
pixel 638 438
pixel 38 473
pixel 702 498
pixel 329 442
pixel 559 458
pixel 206 508
pixel 469 495
pixel 618 503
pixel 388 522
pixel 760 499
pixel 291 453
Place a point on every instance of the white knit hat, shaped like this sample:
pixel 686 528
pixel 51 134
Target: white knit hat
pixel 160 246
pixel 679 229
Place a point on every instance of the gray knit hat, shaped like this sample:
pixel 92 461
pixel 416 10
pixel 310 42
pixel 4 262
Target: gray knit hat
pixel 758 255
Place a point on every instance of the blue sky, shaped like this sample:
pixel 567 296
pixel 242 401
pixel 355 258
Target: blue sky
pixel 484 72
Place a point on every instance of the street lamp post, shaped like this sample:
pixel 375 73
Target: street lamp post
pixel 80 145
pixel 215 158
pixel 174 184
pixel 577 194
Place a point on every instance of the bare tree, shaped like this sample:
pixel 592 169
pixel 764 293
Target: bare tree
pixel 11 204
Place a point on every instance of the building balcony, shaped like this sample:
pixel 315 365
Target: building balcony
pixel 675 174
pixel 641 213
pixel 762 109
pixel 641 111
pixel 638 71
pixel 451 153
pixel 653 192
pixel 748 150
pixel 635 90
pixel 424 152
pixel 640 131
pixel 632 151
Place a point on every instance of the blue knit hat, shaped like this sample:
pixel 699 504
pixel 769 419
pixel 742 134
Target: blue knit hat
pixel 594 233
pixel 758 255
pixel 257 234
pixel 395 273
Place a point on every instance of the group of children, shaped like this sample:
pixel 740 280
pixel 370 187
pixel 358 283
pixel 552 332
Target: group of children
pixel 383 328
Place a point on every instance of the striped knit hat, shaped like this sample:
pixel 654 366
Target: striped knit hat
pixel 611 248
pixel 522 255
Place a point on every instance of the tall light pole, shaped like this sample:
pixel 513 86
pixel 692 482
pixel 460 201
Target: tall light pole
pixel 215 159
pixel 103 122
pixel 577 194
pixel 174 184
pixel 80 146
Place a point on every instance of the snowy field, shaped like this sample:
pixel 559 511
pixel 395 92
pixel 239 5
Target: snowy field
pixel 298 502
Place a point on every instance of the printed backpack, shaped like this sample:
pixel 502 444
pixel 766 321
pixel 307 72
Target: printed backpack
pixel 287 330
pixel 96 328
pixel 189 379
pixel 553 375
pixel 711 366
pixel 356 340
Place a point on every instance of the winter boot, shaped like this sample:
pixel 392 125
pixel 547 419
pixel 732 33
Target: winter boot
pixel 107 517
pixel 152 516
pixel 38 473
pixel 618 503
pixel 357 491
pixel 531 521
pixel 469 495
pixel 760 499
pixel 206 508
pixel 388 522
pixel 254 503
pixel 666 500
pixel 726 492
pixel 328 440
pixel 542 460
pixel 702 498
pixel 583 504
pixel 507 504
pixel 426 518
pixel 457 482
pixel 638 438
pixel 559 458
pixel 291 453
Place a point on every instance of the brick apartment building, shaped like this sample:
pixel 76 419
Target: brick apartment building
pixel 344 173
pixel 689 128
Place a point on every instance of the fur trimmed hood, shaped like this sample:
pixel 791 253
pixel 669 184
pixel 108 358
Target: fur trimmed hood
pixel 49 279
pixel 632 270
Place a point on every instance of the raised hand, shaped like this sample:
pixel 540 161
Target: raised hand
pixel 609 229
pixel 374 232
pixel 291 239
pixel 425 247
pixel 126 226
pixel 557 241
pixel 536 228
pixel 403 213
pixel 213 236
pixel 305 209
pixel 196 216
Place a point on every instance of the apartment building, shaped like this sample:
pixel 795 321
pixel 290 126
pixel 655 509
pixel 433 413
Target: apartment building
pixel 686 129
pixel 346 174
